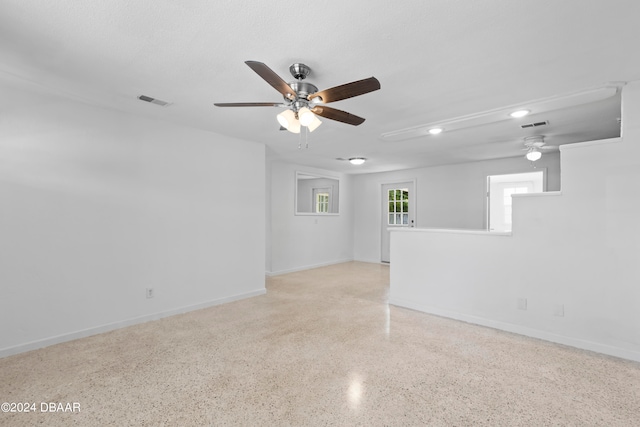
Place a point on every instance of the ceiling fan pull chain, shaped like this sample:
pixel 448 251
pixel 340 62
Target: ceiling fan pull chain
pixel 300 141
pixel 306 136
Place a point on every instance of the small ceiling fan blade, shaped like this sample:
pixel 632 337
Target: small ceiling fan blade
pixel 272 78
pixel 338 115
pixel 348 90
pixel 247 104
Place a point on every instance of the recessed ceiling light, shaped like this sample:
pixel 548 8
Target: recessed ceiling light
pixel 435 131
pixel 519 113
pixel 357 160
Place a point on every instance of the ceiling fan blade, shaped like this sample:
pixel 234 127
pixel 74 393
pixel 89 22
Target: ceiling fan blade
pixel 247 104
pixel 272 78
pixel 339 115
pixel 348 90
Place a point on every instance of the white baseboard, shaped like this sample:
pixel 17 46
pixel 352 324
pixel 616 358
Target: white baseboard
pixel 45 342
pixel 371 260
pixel 306 267
pixel 622 353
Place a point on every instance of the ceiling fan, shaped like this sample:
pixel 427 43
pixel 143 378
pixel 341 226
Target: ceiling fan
pixel 302 100
pixel 534 146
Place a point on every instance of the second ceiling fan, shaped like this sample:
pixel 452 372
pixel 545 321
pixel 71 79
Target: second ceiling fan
pixel 303 101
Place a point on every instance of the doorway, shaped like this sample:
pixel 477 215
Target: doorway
pixel 500 188
pixel 398 210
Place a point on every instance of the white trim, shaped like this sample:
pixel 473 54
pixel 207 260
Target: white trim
pixel 45 342
pixel 372 261
pixel 306 267
pixel 573 146
pixel 317 214
pixel 451 231
pixel 522 330
pixel 543 194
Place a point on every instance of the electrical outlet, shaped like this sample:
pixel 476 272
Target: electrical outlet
pixel 522 303
pixel 149 292
pixel 558 310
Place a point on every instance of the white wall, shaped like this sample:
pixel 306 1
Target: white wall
pixel 97 205
pixel 451 196
pixel 299 242
pixel 578 249
pixel 267 184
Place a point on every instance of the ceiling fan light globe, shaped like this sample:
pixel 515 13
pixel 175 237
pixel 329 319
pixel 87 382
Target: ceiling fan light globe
pixel 286 118
pixel 306 116
pixel 283 122
pixel 314 124
pixel 533 155
pixel 294 126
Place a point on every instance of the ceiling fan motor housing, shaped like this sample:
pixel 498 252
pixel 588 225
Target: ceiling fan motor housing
pixel 534 141
pixel 300 72
pixel 303 89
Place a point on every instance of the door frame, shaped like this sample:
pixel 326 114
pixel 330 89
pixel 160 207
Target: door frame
pixel 413 209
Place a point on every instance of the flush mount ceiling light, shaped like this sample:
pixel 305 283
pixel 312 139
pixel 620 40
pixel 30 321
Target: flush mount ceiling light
pixel 357 160
pixel 519 113
pixel 435 131
pixel 303 101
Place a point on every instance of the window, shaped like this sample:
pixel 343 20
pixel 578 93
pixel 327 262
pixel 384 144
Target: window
pixel 398 213
pixel 322 202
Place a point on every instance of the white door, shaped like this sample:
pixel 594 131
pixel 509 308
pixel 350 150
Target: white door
pixel 398 210
pixel 500 190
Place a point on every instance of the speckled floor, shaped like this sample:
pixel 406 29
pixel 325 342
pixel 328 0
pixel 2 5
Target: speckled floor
pixel 322 347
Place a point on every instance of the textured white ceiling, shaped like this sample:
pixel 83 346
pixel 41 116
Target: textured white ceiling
pixel 436 61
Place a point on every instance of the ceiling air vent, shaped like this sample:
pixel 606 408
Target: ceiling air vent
pixel 534 125
pixel 153 100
